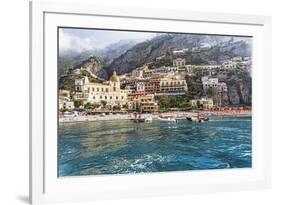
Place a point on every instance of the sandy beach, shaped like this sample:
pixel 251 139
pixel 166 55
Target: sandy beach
pixel 175 115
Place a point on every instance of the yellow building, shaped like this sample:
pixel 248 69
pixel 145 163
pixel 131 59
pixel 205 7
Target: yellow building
pixel 175 85
pixel 144 104
pixel 108 91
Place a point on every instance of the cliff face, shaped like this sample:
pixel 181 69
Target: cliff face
pixel 94 66
pixel 239 89
pixel 243 93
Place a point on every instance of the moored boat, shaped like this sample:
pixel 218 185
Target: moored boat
pixel 168 119
pixel 197 118
pixel 148 119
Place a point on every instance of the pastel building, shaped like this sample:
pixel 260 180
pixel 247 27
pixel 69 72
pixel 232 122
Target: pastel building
pixel 173 86
pixel 65 101
pixel 213 83
pixel 144 104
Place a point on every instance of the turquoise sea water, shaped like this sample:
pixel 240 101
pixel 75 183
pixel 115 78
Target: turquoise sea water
pixel 119 147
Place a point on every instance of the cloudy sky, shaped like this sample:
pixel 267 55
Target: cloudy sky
pixel 87 39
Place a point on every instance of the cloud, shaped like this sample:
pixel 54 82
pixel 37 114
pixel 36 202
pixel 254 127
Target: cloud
pixel 68 41
pixel 72 39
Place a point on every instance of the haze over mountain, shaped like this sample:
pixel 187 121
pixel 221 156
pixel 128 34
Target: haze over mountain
pixel 69 59
pixel 221 48
pixel 126 55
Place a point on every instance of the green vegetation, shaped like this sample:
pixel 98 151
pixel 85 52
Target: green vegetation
pixel 68 87
pixel 65 64
pixel 126 106
pixel 91 106
pixel 174 102
pixel 194 84
pixel 78 103
pixel 116 107
pixel 103 102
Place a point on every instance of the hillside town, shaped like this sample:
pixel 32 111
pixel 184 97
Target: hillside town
pixel 139 102
pixel 148 90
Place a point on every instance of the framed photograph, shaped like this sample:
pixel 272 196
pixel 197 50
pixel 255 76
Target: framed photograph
pixel 130 102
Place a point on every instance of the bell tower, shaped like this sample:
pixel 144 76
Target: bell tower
pixel 115 82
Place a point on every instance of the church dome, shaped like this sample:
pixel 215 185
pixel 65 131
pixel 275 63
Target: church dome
pixel 114 77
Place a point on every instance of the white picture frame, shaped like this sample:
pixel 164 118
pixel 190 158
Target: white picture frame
pixel 45 187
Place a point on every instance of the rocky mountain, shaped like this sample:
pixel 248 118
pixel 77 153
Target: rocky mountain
pixel 92 68
pixel 221 48
pixel 72 59
pixel 109 53
pixel 239 85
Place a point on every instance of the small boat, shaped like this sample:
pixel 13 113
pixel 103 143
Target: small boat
pixel 148 119
pixel 139 120
pixel 168 119
pixel 198 118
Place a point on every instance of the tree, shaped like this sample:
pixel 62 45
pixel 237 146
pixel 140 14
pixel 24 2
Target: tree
pixel 186 105
pixel 116 107
pixel 164 102
pixel 88 106
pixel 198 104
pixel 125 106
pixel 95 105
pixel 173 102
pixel 103 102
pixel 194 84
pixel 78 103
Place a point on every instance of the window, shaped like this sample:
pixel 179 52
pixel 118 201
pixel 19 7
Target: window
pixel 110 97
pixel 93 89
pixel 98 89
pixel 106 90
pixel 105 97
pixel 100 97
pixel 101 89
pixel 116 97
pixel 94 97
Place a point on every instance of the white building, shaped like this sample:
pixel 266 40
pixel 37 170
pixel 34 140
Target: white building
pixel 229 65
pixel 179 62
pixel 108 91
pixel 138 73
pixel 213 83
pixel 64 100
